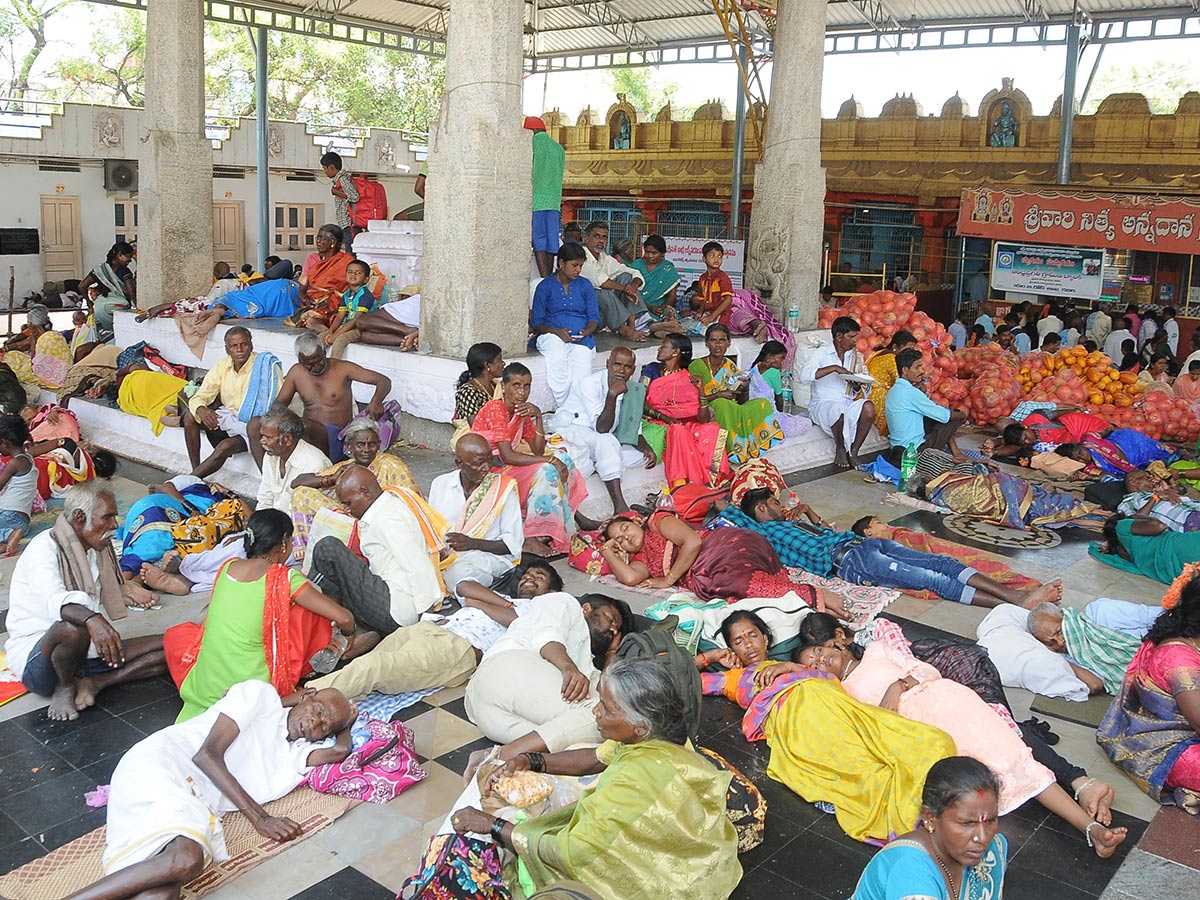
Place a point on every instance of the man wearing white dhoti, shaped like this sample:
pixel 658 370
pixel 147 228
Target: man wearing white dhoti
pixel 484 509
pixel 838 406
pixel 169 790
pixel 588 421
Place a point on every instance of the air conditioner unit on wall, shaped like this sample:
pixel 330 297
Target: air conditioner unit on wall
pixel 120 175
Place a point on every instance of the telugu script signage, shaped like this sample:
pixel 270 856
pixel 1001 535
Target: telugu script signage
pixel 689 261
pixel 1054 271
pixel 1083 219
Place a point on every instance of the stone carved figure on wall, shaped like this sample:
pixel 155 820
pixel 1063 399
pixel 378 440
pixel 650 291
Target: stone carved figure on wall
pixel 108 130
pixel 768 261
pixel 623 140
pixel 385 153
pixel 1004 127
pixel 274 142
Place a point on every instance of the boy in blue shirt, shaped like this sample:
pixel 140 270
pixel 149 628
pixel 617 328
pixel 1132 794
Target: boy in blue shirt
pixel 356 300
pixel 913 418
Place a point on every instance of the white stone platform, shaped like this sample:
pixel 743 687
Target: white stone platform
pixel 423 384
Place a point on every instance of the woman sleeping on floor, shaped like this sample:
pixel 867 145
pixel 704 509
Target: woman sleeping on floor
pixel 727 563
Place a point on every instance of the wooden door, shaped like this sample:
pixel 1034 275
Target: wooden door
pixel 62 255
pixel 228 230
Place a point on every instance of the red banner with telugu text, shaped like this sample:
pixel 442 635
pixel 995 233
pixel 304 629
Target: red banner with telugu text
pixel 1082 219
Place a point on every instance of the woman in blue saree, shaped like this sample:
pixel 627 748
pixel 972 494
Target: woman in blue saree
pixel 185 514
pixel 956 850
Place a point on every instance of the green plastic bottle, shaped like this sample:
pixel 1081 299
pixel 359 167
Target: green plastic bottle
pixel 908 465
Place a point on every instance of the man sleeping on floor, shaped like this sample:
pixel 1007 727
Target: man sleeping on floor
pixel 169 790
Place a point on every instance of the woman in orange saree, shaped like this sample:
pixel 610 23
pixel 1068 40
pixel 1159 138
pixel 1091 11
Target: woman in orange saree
pixel 550 487
pixel 323 278
pixel 680 428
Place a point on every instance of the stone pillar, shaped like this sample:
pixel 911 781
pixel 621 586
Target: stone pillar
pixel 475 271
pixel 784 254
pixel 175 159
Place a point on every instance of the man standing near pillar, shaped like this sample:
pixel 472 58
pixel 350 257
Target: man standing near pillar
pixel 549 162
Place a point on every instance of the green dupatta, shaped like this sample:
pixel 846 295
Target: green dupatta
pixel 655 819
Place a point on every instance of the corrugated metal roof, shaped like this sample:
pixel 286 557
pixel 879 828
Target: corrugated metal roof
pixel 572 27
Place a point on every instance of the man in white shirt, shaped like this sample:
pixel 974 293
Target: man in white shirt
pixel 486 534
pixel 288 456
pixel 1171 327
pixel 616 285
pixel 836 406
pixel 442 651
pixel 1099 324
pixel 588 417
pixel 1112 343
pixel 398 581
pixel 59 642
pixel 1051 321
pixel 536 685
pixel 1073 333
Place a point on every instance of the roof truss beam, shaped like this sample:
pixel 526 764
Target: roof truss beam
pixel 605 14
pixel 347 29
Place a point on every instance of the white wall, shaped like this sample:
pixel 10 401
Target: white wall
pixel 87 135
pixel 22 185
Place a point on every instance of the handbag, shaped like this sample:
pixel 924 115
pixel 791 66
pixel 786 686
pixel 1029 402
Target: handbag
pixel 744 803
pixel 457 867
pixel 381 768
pixel 584 554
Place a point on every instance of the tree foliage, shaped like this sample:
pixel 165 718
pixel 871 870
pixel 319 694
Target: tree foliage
pixel 113 71
pixel 309 79
pixel 1162 82
pixel 23 33
pixel 643 89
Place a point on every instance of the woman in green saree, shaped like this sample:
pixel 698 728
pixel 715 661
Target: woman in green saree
pixel 653 827
pixel 1147 547
pixel 753 425
pixel 660 287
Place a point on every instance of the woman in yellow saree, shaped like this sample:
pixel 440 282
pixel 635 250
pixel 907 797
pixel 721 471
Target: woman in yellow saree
pixel 653 828
pixel 827 747
pixel 881 365
pixel 312 493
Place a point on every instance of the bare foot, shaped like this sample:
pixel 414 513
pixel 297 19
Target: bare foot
pixel 161 580
pixel 841 459
pixel 537 547
pixel 362 642
pixel 1105 841
pixel 409 341
pixel 1050 592
pixel 136 595
pixel 760 332
pixel 62 704
pixel 85 693
pixel 1096 800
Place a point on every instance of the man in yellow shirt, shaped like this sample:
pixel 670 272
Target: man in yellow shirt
pixel 220 408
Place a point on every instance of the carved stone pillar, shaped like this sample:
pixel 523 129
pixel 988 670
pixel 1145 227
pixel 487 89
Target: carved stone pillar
pixel 174 158
pixel 478 204
pixel 784 254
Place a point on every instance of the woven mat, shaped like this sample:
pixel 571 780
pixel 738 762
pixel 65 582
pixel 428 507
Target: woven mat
pixel 1090 712
pixel 77 864
pixel 863 602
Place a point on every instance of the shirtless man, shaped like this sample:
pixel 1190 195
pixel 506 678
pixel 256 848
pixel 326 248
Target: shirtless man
pixel 325 387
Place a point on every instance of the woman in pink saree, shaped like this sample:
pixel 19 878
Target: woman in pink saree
pixel 680 428
pixel 549 485
pixel 895 680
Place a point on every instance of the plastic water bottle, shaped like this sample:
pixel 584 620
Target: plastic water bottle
pixel 787 392
pixel 793 316
pixel 908 466
pixel 391 290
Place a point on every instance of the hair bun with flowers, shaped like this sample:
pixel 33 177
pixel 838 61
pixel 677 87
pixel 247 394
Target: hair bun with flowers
pixel 1171 598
